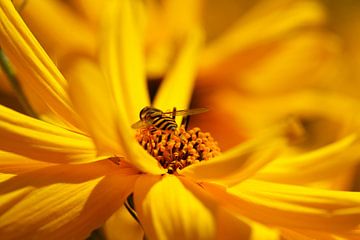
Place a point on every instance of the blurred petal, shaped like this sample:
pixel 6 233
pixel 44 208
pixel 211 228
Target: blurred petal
pixel 91 9
pixel 122 226
pixel 123 58
pixel 92 99
pixel 288 234
pixel 291 206
pixel 253 29
pixel 323 163
pixel 42 141
pixel 177 88
pixel 320 52
pixel 71 34
pixel 63 201
pixel 230 227
pixel 166 210
pixel 259 231
pixel 161 43
pixel 33 64
pixel 243 161
pixel 258 112
pixel 123 66
pixel 176 10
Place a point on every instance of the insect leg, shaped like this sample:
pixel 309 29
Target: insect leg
pixel 174 113
pixel 185 122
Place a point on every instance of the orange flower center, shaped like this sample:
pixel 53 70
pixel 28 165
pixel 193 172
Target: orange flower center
pixel 178 149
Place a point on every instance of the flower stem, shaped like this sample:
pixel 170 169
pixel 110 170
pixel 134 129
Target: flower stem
pixel 5 65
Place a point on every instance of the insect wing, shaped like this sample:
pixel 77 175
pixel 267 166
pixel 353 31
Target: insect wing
pixel 188 112
pixel 140 124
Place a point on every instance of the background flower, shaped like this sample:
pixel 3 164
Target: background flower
pixel 238 198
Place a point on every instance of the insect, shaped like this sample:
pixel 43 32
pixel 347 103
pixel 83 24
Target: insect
pixel 153 117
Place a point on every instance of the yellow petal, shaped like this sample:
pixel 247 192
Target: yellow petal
pixel 136 154
pixel 162 41
pixel 175 11
pixel 11 163
pixel 125 75
pixel 122 226
pixel 231 227
pixel 229 224
pixel 167 210
pixel 71 34
pixel 177 88
pixel 259 231
pixel 123 58
pixel 269 74
pixel 124 69
pixel 42 141
pixel 258 112
pixel 90 9
pixel 322 163
pixel 288 234
pixel 242 161
pixel 33 64
pixel 62 201
pixel 291 206
pixel 264 23
pixel 92 99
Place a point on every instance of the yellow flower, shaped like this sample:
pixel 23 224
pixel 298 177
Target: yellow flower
pixel 60 178
pixel 291 67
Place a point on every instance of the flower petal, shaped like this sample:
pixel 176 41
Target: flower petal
pixel 92 99
pixel 35 68
pixel 305 103
pixel 288 234
pixel 231 227
pixel 123 58
pixel 42 141
pixel 322 163
pixel 11 163
pixel 292 207
pixel 269 74
pixel 253 29
pixel 71 34
pixel 124 72
pixel 177 88
pixel 90 9
pixel 62 201
pixel 175 11
pixel 166 210
pixel 161 43
pixel 243 161
pixel 122 61
pixel 122 226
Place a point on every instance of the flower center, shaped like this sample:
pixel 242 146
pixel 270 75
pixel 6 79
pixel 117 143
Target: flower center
pixel 179 148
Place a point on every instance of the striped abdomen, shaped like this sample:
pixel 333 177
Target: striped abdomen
pixel 157 119
pixel 164 123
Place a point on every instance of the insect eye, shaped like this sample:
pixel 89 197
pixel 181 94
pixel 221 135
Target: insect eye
pixel 143 112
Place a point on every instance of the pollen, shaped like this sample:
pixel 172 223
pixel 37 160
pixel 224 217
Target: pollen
pixel 179 148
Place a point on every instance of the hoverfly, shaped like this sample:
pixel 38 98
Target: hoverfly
pixel 153 117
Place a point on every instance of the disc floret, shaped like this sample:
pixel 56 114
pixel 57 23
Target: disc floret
pixel 179 148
